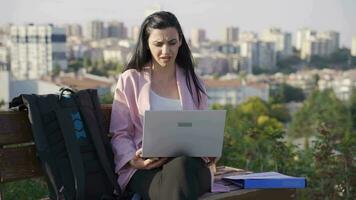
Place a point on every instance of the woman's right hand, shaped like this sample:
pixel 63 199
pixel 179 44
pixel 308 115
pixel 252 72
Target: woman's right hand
pixel 151 163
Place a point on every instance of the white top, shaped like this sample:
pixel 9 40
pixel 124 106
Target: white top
pixel 164 103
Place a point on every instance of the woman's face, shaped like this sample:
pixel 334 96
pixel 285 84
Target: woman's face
pixel 164 45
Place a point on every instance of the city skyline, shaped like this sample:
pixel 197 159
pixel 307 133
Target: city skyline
pixel 213 16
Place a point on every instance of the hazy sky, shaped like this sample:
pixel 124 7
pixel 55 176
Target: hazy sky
pixel 212 15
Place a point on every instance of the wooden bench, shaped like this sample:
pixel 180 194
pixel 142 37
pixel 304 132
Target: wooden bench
pixel 18 159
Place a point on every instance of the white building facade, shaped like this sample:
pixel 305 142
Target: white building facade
pixel 234 93
pixel 282 41
pixel 37 51
pixel 4 58
pixel 321 44
pixel 353 47
pixel 96 30
pixel 303 34
pixel 74 30
pixel 259 54
pixel 11 88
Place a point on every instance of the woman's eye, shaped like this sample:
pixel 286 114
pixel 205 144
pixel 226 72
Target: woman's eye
pixel 158 44
pixel 172 43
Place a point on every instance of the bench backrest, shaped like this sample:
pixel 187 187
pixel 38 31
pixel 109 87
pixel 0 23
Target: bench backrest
pixel 17 150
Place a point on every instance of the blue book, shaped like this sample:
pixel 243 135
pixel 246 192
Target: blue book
pixel 266 180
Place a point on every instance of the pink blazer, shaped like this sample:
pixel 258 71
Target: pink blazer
pixel 131 100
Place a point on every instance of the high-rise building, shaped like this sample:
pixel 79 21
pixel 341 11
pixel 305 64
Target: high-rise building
pixel 117 29
pixel 248 36
pixel 315 46
pixel 5 34
pixel 37 50
pixel 231 34
pixel 261 55
pixel 266 55
pixel 334 40
pixel 74 30
pixel 96 30
pixel 282 41
pixel 303 34
pixel 319 44
pixel 198 36
pixel 249 50
pixel 353 47
pixel 4 58
pixel 135 32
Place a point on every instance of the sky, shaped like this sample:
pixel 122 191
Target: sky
pixel 212 15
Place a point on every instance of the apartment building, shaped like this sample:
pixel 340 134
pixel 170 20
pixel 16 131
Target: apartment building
pixel 281 40
pixel 353 46
pixel 234 92
pixel 197 37
pixel 231 34
pixel 37 50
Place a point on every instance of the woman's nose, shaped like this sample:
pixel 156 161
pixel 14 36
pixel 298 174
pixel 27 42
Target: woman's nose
pixel 165 49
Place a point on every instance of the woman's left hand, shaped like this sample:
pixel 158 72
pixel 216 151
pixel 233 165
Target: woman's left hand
pixel 209 160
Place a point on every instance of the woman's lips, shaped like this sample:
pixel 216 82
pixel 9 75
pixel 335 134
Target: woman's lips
pixel 165 58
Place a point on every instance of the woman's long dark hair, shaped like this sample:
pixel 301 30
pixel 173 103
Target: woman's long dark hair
pixel 184 59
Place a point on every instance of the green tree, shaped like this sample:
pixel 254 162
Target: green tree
pixel 280 112
pixel 87 62
pixel 106 98
pixel 253 138
pixel 56 70
pixel 324 180
pixel 340 59
pixel 284 93
pixel 75 65
pixel 352 106
pixel 347 164
pixel 289 64
pixel 320 107
pixel 98 71
pixel 119 68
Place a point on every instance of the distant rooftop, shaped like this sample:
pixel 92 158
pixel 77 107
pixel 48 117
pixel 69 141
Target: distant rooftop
pixel 212 83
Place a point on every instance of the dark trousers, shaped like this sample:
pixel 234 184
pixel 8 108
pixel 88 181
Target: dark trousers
pixel 180 178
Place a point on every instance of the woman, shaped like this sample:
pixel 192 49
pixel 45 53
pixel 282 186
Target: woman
pixel 159 76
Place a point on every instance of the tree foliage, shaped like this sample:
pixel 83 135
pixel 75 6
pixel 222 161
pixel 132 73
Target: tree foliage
pixel 254 140
pixel 321 106
pixel 106 98
pixel 340 59
pixel 99 67
pixel 284 93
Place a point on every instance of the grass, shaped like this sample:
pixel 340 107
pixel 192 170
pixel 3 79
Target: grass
pixel 31 189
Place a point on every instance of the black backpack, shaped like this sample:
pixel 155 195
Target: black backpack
pixel 72 145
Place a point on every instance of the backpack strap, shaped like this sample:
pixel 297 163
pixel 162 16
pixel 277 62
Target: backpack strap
pixel 72 147
pixel 95 129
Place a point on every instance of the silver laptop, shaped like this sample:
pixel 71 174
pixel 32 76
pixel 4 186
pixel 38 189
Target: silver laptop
pixel 198 133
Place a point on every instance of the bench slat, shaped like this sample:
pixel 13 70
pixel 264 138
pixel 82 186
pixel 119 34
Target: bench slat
pixel 14 128
pixel 18 163
pixel 106 108
pixel 247 194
